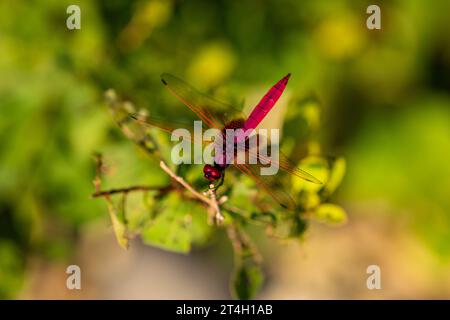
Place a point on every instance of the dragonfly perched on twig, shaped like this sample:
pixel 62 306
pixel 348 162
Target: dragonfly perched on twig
pixel 219 115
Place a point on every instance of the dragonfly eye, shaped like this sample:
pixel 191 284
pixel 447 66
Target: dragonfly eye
pixel 211 173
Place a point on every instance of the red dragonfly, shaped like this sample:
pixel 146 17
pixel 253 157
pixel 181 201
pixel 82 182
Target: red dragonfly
pixel 218 115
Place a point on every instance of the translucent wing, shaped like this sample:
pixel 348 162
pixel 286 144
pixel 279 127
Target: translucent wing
pixel 135 125
pixel 213 113
pixel 146 121
pixel 285 164
pixel 270 184
pixel 282 162
pixel 149 122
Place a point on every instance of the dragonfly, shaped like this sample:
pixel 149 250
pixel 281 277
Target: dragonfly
pixel 219 115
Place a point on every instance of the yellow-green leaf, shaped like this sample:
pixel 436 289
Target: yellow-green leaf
pixel 336 175
pixel 247 280
pixel 178 225
pixel 309 200
pixel 330 214
pixel 120 230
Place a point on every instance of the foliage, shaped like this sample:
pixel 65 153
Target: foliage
pixel 386 108
pixel 170 218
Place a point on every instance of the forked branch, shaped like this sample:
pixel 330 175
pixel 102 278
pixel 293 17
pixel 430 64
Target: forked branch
pixel 209 198
pixel 211 201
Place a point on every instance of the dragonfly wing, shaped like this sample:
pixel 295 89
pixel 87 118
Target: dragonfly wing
pixel 285 164
pixel 282 162
pixel 213 113
pixel 269 183
pixel 136 125
pixel 146 122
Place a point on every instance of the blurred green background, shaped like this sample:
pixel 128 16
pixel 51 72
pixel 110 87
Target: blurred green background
pixel 385 108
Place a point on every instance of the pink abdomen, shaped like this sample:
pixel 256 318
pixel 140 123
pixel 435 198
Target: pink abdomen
pixel 266 104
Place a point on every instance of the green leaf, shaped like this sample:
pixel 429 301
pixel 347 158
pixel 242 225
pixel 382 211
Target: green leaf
pixel 309 200
pixel 242 192
pixel 247 280
pixel 298 227
pixel 200 229
pixel 120 229
pixel 292 226
pixel 311 112
pixel 247 276
pixel 336 175
pixel 138 207
pixel 177 226
pixel 330 214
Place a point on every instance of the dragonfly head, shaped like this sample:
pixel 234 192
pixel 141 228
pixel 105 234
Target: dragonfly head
pixel 212 173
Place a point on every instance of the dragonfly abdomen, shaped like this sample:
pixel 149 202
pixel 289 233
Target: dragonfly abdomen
pixel 266 104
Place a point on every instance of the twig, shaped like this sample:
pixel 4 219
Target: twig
pixel 222 200
pixel 218 217
pixel 126 190
pixel 236 210
pixel 100 168
pixel 211 201
pixel 98 171
pixel 184 184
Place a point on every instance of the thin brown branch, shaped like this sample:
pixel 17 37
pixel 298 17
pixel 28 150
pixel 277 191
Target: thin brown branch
pixel 127 190
pixel 218 217
pixel 98 171
pixel 236 210
pixel 185 184
pixel 211 201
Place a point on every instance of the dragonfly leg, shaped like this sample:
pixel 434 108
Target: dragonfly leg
pixel 220 183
